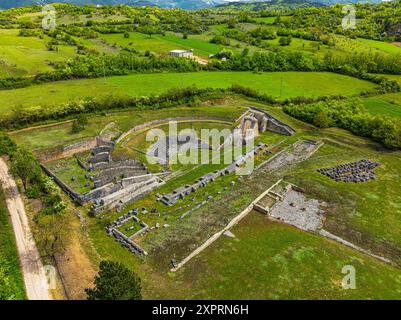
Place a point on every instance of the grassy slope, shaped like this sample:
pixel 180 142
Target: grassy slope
pixel 27 55
pixel 388 104
pixel 60 135
pixel 274 261
pixel 280 84
pixel 11 283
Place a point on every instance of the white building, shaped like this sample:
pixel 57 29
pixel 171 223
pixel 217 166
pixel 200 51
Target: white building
pixel 182 53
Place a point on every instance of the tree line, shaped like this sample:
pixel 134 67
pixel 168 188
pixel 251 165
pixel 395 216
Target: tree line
pixel 349 114
pixel 100 65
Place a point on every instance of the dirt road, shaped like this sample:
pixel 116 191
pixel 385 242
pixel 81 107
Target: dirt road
pixel 34 274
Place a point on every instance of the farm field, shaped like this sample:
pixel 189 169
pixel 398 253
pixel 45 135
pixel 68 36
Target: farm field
pixel 163 44
pixel 14 51
pixel 279 84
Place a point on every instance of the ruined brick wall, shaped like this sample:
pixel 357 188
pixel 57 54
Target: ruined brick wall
pixel 274 124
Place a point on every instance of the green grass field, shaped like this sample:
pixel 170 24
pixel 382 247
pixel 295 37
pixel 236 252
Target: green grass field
pixel 279 84
pixel 387 104
pixel 381 46
pixel 11 282
pixel 269 260
pixel 164 44
pixel 27 55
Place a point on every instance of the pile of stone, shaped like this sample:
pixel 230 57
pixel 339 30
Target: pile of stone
pixel 359 171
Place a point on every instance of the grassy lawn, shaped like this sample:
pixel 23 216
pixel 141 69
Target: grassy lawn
pixel 27 55
pixel 278 84
pixel 69 171
pixel 357 213
pixel 11 282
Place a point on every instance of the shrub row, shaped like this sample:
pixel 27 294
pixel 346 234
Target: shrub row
pixel 349 114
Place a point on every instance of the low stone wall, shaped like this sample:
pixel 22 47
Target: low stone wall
pixel 108 175
pixel 75 195
pixel 217 235
pixel 126 242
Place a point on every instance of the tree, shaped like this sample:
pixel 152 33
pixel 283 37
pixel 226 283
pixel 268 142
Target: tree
pixel 277 20
pixel 232 23
pixel 79 123
pixel 7 146
pixel 149 30
pixel 321 120
pixel 285 41
pixel 52 233
pixel 115 282
pixel 25 166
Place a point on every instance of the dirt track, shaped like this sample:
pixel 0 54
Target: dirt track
pixel 34 274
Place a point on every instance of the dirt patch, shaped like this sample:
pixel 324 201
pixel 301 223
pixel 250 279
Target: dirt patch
pixel 76 270
pixel 398 44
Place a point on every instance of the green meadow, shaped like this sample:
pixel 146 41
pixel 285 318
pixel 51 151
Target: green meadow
pixel 21 56
pixel 268 260
pixel 387 104
pixel 163 44
pixel 278 84
pixel 381 46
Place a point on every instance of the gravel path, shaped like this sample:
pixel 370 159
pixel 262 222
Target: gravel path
pixel 34 274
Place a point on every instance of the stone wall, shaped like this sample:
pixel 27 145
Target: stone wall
pixel 75 195
pixel 273 124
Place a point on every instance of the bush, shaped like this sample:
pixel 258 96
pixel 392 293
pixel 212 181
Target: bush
pixel 285 41
pixel 115 282
pixel 321 120
pixel 349 114
pixel 220 40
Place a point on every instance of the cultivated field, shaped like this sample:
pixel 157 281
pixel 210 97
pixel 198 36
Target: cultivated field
pixel 278 84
